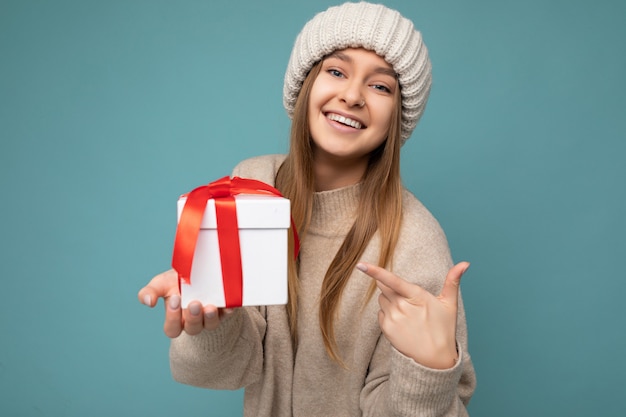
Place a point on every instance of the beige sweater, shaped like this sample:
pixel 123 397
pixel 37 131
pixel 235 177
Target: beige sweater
pixel 253 349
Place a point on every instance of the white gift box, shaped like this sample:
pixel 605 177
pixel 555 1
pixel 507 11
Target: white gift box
pixel 263 231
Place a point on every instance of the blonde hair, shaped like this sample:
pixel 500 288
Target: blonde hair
pixel 379 210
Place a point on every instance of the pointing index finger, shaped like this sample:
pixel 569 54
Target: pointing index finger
pixel 390 280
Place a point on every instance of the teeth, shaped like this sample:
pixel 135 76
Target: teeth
pixel 344 120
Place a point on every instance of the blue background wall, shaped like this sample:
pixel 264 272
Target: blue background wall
pixel 110 109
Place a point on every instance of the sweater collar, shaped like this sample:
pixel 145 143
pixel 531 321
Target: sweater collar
pixel 334 210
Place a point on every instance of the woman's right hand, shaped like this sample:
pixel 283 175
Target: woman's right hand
pixel 192 320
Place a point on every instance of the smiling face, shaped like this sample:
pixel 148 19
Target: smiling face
pixel 351 104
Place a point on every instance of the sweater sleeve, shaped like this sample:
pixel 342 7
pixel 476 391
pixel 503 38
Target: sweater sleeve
pixel 396 385
pixel 229 357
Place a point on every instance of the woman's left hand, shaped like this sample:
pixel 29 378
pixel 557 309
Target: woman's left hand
pixel 418 324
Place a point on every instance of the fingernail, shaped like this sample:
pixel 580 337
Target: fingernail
pixel 210 314
pixel 174 302
pixel 147 300
pixel 361 267
pixel 195 309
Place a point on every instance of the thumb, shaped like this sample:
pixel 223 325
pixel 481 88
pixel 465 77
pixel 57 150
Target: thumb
pixel 450 290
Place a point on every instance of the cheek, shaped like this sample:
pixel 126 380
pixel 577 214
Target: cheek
pixel 313 100
pixel 384 114
pixel 319 96
pixel 322 90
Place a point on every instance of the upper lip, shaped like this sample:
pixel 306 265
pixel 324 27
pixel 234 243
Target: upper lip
pixel 346 115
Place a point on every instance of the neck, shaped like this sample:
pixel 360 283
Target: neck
pixel 333 174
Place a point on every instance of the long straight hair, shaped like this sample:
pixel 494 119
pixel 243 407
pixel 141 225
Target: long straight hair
pixel 379 210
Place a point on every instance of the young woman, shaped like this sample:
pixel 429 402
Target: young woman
pixel 375 324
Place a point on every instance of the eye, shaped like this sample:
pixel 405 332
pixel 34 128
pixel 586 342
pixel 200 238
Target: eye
pixel 382 88
pixel 335 73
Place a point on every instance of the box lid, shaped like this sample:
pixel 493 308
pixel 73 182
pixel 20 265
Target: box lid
pixel 253 212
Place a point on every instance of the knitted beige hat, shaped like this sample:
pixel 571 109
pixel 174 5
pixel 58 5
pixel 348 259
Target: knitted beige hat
pixel 373 27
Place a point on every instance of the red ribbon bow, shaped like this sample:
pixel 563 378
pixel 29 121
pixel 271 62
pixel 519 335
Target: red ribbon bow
pixel 223 192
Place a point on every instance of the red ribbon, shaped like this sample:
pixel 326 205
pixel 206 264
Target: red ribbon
pixel 223 192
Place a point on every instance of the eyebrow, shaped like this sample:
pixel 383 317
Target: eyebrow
pixel 378 70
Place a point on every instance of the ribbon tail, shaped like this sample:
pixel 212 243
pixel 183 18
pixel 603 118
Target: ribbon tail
pixel 230 252
pixel 187 232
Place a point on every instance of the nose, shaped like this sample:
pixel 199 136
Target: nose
pixel 352 95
